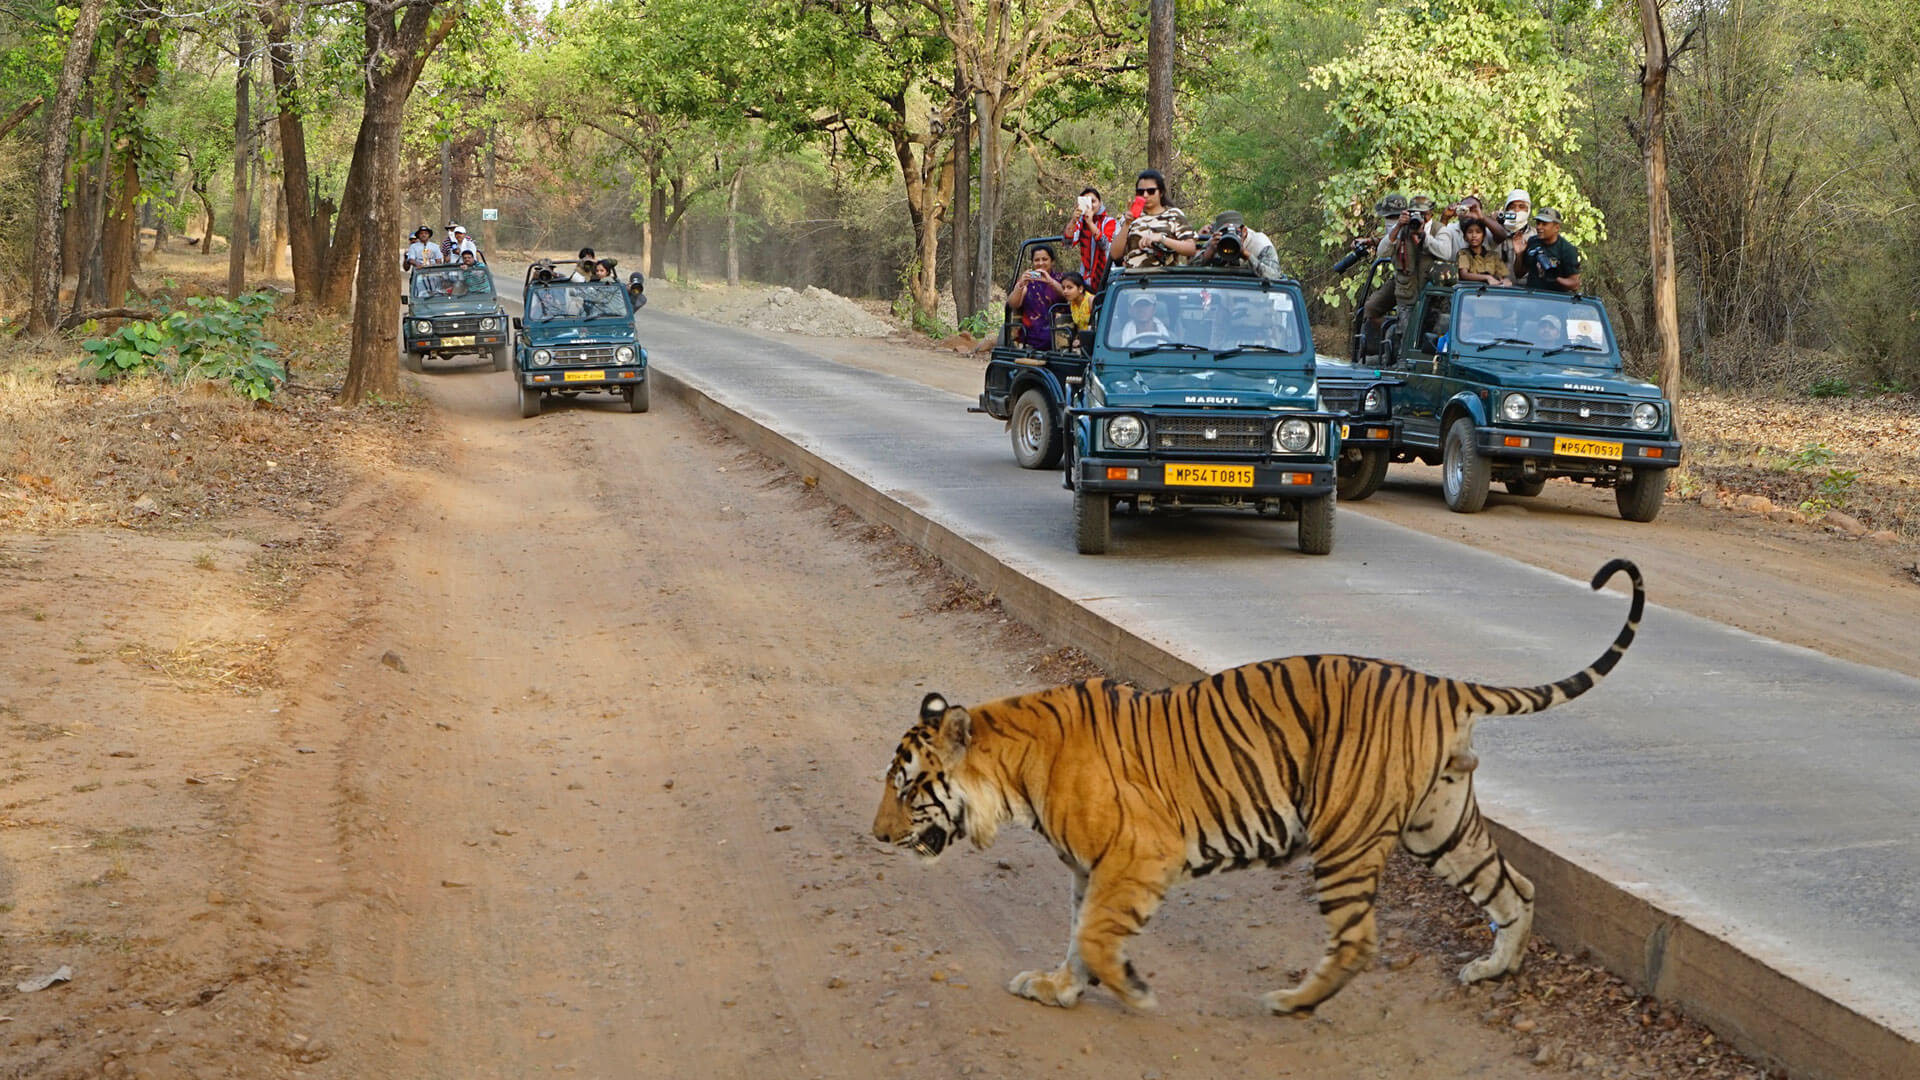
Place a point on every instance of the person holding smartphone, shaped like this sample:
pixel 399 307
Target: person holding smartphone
pixel 1154 232
pixel 1091 232
pixel 1033 296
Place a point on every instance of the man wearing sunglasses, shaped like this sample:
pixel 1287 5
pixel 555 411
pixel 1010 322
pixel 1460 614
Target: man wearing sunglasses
pixel 1154 232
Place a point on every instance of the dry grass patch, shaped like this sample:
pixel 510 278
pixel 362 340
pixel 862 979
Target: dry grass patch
pixel 205 665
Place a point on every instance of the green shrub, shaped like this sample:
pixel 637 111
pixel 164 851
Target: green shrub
pixel 1813 455
pixel 1829 387
pixel 207 337
pixel 985 322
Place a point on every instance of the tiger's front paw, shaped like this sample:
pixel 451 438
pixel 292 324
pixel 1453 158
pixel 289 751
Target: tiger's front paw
pixel 1057 988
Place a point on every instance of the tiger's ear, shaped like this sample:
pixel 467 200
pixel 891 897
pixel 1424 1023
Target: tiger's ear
pixel 932 706
pixel 956 728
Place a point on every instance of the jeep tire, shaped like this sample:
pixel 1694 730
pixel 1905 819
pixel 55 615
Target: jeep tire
pixel 1527 487
pixel 1036 436
pixel 1639 499
pixel 1316 525
pixel 1359 479
pixel 1092 522
pixel 412 361
pixel 529 402
pixel 1464 471
pixel 638 398
pixel 502 357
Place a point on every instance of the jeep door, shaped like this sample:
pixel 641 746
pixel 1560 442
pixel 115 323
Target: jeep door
pixel 1419 402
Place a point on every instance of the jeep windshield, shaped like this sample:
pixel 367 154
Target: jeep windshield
pixel 1173 322
pixel 453 283
pixel 577 300
pixel 1540 325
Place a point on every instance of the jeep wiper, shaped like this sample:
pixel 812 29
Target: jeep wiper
pixel 1563 348
pixel 1482 346
pixel 1173 345
pixel 1246 348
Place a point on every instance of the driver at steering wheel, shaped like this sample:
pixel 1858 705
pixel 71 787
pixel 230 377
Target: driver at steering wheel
pixel 1142 322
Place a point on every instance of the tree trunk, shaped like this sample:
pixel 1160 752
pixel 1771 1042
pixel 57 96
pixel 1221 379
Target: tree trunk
pixel 240 230
pixel 489 230
pixel 987 131
pixel 121 254
pixel 964 303
pixel 266 251
pixel 206 207
pixel 1160 47
pixel 446 183
pixel 26 109
pixel 301 236
pixel 343 255
pixel 396 51
pixel 654 244
pixel 90 289
pixel 43 274
pixel 1653 125
pixel 733 225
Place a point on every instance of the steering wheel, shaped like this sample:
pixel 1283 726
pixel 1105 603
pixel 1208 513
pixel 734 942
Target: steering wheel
pixel 1145 341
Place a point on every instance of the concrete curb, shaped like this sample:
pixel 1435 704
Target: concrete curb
pixel 1743 999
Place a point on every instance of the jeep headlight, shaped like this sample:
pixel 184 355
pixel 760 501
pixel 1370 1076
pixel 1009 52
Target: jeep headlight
pixel 489 324
pixel 1292 436
pixel 1646 416
pixel 542 356
pixel 1125 432
pixel 624 354
pixel 422 326
pixel 1375 401
pixel 1515 408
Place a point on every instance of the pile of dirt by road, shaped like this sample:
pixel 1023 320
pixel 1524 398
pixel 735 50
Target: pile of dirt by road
pixel 813 310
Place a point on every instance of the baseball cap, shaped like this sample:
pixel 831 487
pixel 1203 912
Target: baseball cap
pixel 1143 298
pixel 459 228
pixel 1547 213
pixel 1518 195
pixel 1228 217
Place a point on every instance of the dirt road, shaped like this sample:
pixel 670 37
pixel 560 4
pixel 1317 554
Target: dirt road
pixel 565 764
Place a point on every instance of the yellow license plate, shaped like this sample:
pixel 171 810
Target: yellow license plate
pixel 1343 432
pixel 600 376
pixel 1210 475
pixel 466 339
pixel 1587 448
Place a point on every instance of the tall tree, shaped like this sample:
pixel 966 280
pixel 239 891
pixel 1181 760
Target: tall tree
pixel 1653 134
pixel 240 230
pixel 1161 43
pixel 400 35
pixel 43 275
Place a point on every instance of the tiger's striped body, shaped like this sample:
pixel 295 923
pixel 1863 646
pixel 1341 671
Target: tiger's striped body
pixel 1339 757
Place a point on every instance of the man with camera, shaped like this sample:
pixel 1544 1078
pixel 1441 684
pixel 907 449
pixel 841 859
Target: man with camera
pixel 1416 247
pixel 1092 232
pixel 1517 220
pixel 1549 261
pixel 1468 212
pixel 1228 242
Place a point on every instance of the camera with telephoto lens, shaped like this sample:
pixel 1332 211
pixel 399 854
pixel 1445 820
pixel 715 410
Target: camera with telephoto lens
pixel 542 272
pixel 1417 217
pixel 1360 250
pixel 1507 218
pixel 1229 240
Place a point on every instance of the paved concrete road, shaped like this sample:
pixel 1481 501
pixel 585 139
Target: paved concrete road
pixel 1762 790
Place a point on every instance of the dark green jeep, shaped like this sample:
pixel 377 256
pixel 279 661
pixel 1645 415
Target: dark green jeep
pixel 1200 392
pixel 451 311
pixel 577 337
pixel 1521 385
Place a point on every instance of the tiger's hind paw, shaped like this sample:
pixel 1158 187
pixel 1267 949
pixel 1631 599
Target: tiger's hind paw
pixel 1057 988
pixel 1490 966
pixel 1287 1003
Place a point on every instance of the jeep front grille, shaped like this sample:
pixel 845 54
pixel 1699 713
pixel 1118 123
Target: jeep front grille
pixel 470 325
pixel 584 354
pixel 1227 434
pixel 1560 411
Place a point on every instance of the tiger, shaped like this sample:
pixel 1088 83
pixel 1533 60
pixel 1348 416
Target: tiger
pixel 1335 756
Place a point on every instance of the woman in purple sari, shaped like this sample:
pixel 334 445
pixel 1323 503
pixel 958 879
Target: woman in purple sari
pixel 1034 296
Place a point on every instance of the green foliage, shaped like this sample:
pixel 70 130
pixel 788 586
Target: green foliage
pixel 986 322
pixel 1447 98
pixel 208 338
pixel 1834 489
pixel 1813 455
pixel 1829 386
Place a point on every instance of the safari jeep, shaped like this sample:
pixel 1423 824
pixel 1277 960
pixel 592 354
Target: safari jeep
pixel 1367 431
pixel 577 338
pixel 1519 386
pixel 1029 388
pixel 1199 392
pixel 452 311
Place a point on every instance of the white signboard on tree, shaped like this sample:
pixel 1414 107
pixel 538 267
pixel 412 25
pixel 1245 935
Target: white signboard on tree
pixel 489 214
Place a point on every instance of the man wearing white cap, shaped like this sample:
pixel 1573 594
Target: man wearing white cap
pixel 1518 219
pixel 462 243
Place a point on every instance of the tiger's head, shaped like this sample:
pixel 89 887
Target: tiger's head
pixel 923 807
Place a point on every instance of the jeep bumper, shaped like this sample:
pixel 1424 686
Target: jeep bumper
pixel 1369 432
pixel 1579 453
pixel 456 343
pixel 606 378
pixel 1265 479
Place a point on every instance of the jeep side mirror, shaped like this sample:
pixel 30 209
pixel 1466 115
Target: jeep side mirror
pixel 516 322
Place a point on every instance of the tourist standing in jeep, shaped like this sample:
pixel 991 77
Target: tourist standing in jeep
pixel 1549 261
